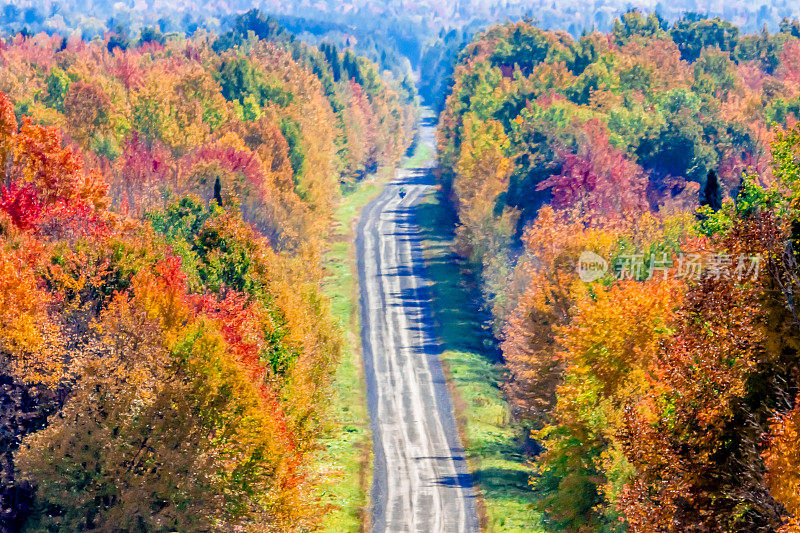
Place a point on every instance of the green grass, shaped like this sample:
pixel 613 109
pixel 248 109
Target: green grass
pixel 494 446
pixel 346 452
pixel 422 154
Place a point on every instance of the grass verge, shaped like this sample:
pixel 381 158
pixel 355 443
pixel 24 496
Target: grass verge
pixel 493 444
pixel 346 454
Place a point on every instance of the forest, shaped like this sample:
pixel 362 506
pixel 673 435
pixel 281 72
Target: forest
pixel 616 191
pixel 659 378
pixel 413 39
pixel 166 355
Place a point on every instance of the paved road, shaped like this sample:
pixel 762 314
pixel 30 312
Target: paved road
pixel 421 482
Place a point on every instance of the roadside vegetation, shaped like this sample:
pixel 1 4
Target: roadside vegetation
pixel 347 452
pixel 495 446
pixel 167 355
pixel 662 397
pixel 346 455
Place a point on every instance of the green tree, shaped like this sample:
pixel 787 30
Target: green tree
pixel 57 84
pixel 693 32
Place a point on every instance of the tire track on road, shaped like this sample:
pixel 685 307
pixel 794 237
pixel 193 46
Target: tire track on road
pixel 421 482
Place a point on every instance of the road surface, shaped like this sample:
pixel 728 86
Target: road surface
pixel 421 482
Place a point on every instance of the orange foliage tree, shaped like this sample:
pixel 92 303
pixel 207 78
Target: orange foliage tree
pixel 166 357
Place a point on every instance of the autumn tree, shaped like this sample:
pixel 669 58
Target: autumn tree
pixel 87 108
pixel 166 351
pixel 598 180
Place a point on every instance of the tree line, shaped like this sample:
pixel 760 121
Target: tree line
pixel 166 354
pixel 630 200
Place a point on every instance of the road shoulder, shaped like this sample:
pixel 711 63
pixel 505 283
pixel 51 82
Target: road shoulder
pixel 494 446
pixel 345 457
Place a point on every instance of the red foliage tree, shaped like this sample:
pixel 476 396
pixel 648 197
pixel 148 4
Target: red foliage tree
pixel 597 180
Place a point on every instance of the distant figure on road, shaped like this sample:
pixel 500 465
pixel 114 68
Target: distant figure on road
pixel 402 192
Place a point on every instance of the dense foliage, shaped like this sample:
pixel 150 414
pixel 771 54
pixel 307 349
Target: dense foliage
pixel 166 354
pixel 663 389
pixel 608 123
pixel 407 39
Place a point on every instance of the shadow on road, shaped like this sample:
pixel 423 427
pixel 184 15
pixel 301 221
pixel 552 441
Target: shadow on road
pixel 461 480
pixel 464 331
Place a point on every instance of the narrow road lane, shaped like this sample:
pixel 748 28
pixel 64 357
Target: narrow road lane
pixel 421 482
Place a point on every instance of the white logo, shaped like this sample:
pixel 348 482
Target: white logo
pixel 591 266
